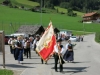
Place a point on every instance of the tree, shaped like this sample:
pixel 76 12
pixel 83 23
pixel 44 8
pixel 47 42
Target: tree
pixel 64 4
pixel 6 2
pixel 71 13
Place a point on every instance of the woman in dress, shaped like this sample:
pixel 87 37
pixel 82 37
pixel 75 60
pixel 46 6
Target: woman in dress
pixel 69 55
pixel 19 49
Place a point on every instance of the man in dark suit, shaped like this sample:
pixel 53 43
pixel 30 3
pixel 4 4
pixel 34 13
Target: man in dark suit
pixel 58 50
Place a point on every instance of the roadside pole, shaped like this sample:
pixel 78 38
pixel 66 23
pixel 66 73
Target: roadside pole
pixel 2 46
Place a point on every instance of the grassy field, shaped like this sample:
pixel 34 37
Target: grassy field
pixel 27 2
pixel 18 17
pixel 1 1
pixel 5 72
pixel 65 10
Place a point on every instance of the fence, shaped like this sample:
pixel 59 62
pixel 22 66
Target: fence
pixel 11 27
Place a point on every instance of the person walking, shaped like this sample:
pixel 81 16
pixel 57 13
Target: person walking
pixel 9 43
pixel 58 50
pixel 19 49
pixel 69 54
pixel 13 43
pixel 28 48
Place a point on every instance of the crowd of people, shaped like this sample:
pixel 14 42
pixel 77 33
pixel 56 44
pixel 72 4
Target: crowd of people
pixel 20 46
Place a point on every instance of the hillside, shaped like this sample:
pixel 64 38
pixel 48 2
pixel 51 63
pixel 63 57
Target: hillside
pixel 25 3
pixel 12 18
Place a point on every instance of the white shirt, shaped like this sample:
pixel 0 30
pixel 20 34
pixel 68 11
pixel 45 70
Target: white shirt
pixel 56 49
pixel 9 41
pixel 67 46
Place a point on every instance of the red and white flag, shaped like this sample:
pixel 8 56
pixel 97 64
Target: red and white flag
pixel 46 44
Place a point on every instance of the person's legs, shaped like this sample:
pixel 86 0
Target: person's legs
pixel 56 61
pixel 29 53
pixel 42 60
pixel 61 67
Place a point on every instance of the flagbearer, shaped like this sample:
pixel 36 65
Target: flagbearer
pixel 58 50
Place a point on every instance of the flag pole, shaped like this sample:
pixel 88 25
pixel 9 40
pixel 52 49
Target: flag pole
pixel 60 59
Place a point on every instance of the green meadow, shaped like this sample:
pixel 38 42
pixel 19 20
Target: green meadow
pixel 11 19
pixel 27 2
pixel 65 11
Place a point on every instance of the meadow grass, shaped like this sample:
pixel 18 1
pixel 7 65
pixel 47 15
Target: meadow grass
pixel 18 17
pixel 1 1
pixel 27 2
pixel 65 11
pixel 5 72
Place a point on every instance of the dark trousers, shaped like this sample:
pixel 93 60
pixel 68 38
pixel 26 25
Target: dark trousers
pixel 11 51
pixel 25 51
pixel 28 52
pixel 14 50
pixel 56 56
pixel 42 60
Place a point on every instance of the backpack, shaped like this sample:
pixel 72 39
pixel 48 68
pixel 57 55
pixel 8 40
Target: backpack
pixel 28 45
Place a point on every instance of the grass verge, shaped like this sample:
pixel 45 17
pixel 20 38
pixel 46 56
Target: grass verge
pixel 6 72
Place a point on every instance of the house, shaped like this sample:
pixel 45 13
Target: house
pixel 90 17
pixel 31 29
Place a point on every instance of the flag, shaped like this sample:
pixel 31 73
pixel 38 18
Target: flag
pixel 46 44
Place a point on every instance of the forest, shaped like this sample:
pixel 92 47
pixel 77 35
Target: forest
pixel 77 5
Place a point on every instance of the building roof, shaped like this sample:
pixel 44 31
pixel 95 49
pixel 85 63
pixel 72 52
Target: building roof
pixel 56 30
pixel 31 29
pixel 89 14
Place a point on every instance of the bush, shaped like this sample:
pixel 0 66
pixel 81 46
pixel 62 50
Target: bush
pixel 71 13
pixel 62 13
pixel 6 2
pixel 10 5
pixel 15 6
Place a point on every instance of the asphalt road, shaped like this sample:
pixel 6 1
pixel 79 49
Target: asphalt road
pixel 86 61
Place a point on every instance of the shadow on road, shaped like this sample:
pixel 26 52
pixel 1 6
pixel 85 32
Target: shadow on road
pixel 73 69
pixel 17 66
pixel 31 63
pixel 81 62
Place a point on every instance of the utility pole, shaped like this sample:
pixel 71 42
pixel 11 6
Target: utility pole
pixel 41 12
pixel 83 27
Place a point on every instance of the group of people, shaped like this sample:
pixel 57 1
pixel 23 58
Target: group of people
pixel 22 46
